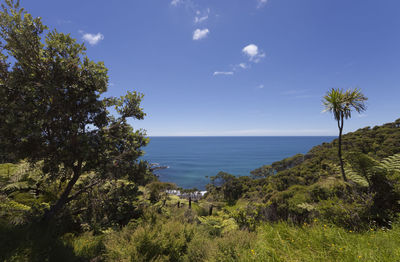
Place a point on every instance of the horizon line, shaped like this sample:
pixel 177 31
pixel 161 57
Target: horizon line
pixel 242 136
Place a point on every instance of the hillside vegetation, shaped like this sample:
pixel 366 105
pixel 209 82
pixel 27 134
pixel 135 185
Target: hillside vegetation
pixel 297 209
pixel 303 187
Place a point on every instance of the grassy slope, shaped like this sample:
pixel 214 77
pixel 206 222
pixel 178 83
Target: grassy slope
pixel 175 241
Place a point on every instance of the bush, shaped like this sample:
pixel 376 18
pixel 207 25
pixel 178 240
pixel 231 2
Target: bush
pixel 351 214
pixel 87 245
pixel 162 241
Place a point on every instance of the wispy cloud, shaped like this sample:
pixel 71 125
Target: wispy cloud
pixel 199 14
pixel 176 2
pixel 260 86
pixel 92 39
pixel 243 65
pixel 200 33
pixel 189 5
pixel 217 73
pixel 240 66
pixel 253 53
pixel 261 3
pixel 201 17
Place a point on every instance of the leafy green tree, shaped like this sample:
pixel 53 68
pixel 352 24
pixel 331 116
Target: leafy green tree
pixel 230 186
pixel 158 190
pixel 53 109
pixel 341 103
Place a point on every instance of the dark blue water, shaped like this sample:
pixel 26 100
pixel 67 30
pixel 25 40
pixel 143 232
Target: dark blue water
pixel 191 159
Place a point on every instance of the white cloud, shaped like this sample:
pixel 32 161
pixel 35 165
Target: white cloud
pixel 261 3
pixel 199 18
pixel 261 86
pixel 92 39
pixel 254 54
pixel 217 73
pixel 250 50
pixel 200 33
pixel 243 65
pixel 176 2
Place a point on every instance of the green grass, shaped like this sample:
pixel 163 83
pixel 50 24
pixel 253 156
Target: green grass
pixel 319 242
pixel 270 242
pixel 178 236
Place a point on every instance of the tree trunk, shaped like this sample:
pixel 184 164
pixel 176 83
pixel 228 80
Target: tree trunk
pixel 64 196
pixel 340 125
pixel 190 202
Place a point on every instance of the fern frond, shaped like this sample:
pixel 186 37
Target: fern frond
pixel 15 186
pixel 355 177
pixel 391 163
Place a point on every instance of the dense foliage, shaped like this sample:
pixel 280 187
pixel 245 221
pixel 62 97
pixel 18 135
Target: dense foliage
pixel 165 232
pixel 52 112
pixel 304 187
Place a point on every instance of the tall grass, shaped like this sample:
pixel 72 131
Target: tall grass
pixel 321 242
pixel 270 242
pixel 175 240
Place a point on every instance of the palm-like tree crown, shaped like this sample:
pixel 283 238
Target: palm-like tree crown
pixel 341 102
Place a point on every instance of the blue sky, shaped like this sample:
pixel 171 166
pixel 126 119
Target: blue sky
pixel 240 67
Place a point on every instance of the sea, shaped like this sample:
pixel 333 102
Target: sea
pixel 190 161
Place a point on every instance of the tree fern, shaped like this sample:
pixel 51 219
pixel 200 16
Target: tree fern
pixel 388 165
pixel 13 212
pixel 355 177
pixel 391 163
pixel 23 177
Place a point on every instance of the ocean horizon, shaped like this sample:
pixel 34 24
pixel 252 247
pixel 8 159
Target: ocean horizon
pixel 191 160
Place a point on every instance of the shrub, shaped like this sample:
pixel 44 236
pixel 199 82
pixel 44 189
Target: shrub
pixel 87 245
pixel 164 241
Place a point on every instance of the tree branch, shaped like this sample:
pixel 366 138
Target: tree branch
pixel 69 199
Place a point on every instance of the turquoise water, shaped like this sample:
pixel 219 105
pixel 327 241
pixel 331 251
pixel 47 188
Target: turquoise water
pixel 192 159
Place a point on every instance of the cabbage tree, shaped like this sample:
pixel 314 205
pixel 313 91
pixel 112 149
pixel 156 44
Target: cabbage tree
pixel 341 103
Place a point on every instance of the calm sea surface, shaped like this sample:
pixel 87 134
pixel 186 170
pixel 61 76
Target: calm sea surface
pixel 192 159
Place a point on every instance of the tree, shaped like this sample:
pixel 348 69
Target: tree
pixel 231 186
pixel 341 103
pixel 52 109
pixel 158 190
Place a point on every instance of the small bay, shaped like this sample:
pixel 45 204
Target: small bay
pixel 191 159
